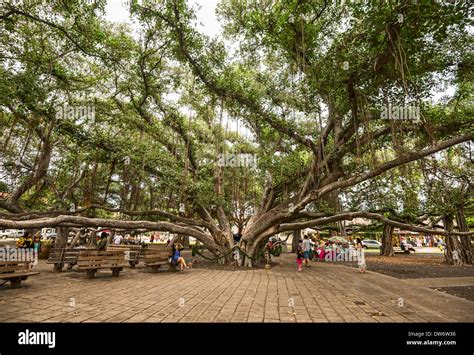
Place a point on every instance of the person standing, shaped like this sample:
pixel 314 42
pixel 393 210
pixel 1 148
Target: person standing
pixel 306 250
pixel 322 250
pixel 360 256
pixel 118 239
pixel 37 245
pixel 299 255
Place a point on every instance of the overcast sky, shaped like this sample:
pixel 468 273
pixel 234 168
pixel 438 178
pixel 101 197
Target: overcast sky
pixel 208 24
pixel 117 11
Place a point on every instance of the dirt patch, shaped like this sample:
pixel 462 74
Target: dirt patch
pixel 466 292
pixel 413 266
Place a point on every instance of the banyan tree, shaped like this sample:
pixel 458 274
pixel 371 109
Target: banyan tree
pixel 268 127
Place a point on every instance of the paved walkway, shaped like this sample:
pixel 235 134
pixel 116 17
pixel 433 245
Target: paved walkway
pixel 443 281
pixel 322 293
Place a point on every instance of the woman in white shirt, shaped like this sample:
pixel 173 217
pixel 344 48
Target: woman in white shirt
pixel 360 256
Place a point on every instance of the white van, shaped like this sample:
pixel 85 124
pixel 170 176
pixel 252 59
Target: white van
pixel 49 233
pixel 11 233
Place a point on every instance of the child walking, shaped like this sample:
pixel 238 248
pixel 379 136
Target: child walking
pixel 300 255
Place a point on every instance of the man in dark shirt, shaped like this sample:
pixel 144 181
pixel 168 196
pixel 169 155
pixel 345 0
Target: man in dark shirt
pixel 103 241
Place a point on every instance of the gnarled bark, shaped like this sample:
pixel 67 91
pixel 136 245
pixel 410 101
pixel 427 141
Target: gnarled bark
pixel 296 238
pixel 387 241
pixel 466 244
pixel 452 242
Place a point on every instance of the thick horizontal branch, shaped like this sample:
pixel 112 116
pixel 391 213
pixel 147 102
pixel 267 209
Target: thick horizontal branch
pixel 76 221
pixel 54 213
pixel 368 215
pixel 406 158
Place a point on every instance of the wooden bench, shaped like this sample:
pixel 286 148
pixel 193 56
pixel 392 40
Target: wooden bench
pixel 132 252
pixel 15 272
pixel 154 256
pixel 61 256
pixel 93 260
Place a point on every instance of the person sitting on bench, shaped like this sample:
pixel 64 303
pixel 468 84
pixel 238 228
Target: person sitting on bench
pixel 25 241
pixel 178 259
pixel 103 241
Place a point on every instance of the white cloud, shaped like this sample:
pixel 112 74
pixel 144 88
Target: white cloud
pixel 117 11
pixel 206 16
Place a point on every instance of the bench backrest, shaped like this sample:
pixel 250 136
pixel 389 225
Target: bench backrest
pixel 113 247
pixel 90 258
pixel 132 252
pixel 64 255
pixel 55 255
pixel 71 254
pixel 155 253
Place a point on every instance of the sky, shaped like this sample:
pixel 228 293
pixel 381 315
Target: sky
pixel 208 24
pixel 117 11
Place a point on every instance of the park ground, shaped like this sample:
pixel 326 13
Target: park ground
pixel 409 288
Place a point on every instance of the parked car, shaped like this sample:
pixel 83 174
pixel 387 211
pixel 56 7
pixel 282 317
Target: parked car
pixel 49 233
pixel 371 244
pixel 11 233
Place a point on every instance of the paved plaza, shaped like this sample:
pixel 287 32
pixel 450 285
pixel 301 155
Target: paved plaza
pixel 323 293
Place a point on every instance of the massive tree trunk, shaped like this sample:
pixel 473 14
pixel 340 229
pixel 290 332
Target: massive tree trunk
pixel 60 242
pixel 342 229
pixel 296 238
pixel 465 245
pixel 61 239
pixel 387 241
pixel 452 242
pixel 250 251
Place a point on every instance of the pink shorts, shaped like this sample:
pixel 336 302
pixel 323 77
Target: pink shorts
pixel 299 261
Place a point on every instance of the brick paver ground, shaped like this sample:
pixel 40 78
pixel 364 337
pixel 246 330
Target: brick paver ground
pixel 322 293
